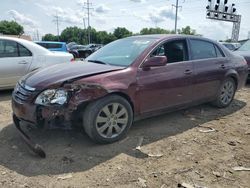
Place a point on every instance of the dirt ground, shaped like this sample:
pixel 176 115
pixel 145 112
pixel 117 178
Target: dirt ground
pixel 174 149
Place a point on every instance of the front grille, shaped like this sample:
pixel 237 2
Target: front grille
pixel 23 94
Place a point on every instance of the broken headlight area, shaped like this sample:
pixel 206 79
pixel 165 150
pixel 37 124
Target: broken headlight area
pixel 52 96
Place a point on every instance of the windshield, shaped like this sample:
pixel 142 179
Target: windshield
pixel 245 46
pixel 121 52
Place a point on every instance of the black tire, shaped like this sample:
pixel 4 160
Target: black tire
pixel 221 102
pixel 95 111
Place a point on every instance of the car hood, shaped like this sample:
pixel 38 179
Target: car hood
pixel 57 74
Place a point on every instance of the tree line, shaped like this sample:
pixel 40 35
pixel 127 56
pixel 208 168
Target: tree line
pixel 80 36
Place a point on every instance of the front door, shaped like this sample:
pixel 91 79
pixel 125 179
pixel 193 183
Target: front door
pixel 166 86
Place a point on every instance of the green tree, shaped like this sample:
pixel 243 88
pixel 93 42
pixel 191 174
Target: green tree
pixel 187 31
pixel 11 28
pixel 122 32
pixel 148 31
pixel 74 34
pixel 102 37
pixel 50 37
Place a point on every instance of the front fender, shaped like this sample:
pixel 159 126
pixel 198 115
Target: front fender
pixel 81 93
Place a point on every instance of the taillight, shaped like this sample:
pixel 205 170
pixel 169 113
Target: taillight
pixel 72 60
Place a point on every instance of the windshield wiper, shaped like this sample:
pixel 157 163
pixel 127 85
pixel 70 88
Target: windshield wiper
pixel 98 61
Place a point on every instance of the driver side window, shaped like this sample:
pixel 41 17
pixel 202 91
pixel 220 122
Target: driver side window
pixel 175 51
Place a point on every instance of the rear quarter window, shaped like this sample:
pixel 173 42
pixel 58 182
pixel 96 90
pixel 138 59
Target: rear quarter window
pixel 23 52
pixel 219 51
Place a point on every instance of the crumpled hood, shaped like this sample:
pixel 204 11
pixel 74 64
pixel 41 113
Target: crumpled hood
pixel 57 74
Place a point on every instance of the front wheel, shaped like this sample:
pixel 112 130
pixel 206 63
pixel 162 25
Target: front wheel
pixel 108 119
pixel 226 93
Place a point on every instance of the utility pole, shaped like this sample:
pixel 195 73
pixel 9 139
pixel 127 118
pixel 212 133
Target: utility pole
pixel 56 20
pixel 87 6
pixel 176 14
pixel 84 24
pixel 37 35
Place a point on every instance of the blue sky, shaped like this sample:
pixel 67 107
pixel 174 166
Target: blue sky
pixel 132 14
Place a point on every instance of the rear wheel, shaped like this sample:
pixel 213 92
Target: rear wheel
pixel 108 119
pixel 226 93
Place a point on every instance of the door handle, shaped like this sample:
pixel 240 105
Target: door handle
pixel 22 62
pixel 223 66
pixel 187 72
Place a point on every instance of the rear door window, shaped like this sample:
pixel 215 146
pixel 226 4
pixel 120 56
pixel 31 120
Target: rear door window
pixel 8 48
pixel 202 49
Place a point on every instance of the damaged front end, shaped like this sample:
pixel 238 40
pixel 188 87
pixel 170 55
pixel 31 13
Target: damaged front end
pixel 51 108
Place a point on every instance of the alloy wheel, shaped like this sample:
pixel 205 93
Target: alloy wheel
pixel 112 120
pixel 227 92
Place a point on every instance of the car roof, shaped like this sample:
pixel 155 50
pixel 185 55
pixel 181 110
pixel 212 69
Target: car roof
pixel 33 47
pixel 170 36
pixel 50 42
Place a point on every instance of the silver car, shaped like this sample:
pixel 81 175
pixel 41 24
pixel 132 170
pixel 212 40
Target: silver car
pixel 19 57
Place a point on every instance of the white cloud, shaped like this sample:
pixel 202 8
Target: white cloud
pixel 65 15
pixel 102 9
pixel 26 21
pixel 137 1
pixel 167 12
pixel 157 15
pixel 215 30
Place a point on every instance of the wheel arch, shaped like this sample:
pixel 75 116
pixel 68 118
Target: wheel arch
pixel 234 75
pixel 124 95
pixel 82 105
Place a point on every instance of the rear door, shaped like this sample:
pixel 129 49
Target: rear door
pixel 210 66
pixel 170 85
pixel 15 60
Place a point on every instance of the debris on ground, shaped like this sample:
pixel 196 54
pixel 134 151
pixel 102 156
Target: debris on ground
pixel 65 176
pixel 3 173
pixel 240 168
pixel 138 147
pixel 142 182
pixel 200 175
pixel 232 143
pixel 186 185
pixel 155 155
pixel 217 174
pixel 207 129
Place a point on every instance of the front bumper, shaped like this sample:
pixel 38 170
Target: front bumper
pixel 42 116
pixel 33 146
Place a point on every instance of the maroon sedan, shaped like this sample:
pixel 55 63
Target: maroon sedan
pixel 129 79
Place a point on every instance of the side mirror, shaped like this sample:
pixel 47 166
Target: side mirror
pixel 155 61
